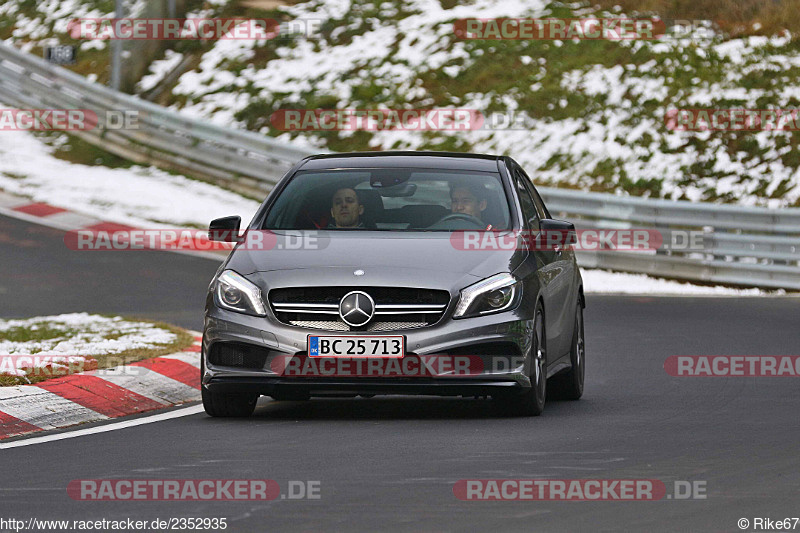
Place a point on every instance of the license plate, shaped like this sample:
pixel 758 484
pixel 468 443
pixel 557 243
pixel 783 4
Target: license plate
pixel 356 346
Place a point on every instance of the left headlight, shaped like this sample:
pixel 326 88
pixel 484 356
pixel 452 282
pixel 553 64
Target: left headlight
pixel 234 293
pixel 498 293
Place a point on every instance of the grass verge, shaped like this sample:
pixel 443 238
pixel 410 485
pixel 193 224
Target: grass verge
pixel 182 340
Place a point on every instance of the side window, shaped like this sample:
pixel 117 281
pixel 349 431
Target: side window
pixel 540 207
pixel 539 203
pixel 525 200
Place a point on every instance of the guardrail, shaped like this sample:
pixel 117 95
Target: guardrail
pixel 745 246
pixel 241 160
pixel 748 246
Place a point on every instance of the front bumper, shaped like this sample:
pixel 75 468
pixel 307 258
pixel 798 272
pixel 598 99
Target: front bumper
pixel 496 373
pixel 288 387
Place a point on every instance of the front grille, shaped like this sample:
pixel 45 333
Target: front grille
pixel 333 325
pixel 396 308
pixel 393 326
pixel 338 325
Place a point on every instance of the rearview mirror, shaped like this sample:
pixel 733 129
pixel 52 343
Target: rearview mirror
pixel 383 178
pixel 225 229
pixel 403 190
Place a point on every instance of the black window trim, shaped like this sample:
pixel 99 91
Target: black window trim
pixel 520 178
pixel 537 199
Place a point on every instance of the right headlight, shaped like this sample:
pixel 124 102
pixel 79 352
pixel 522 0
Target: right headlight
pixel 235 293
pixel 497 293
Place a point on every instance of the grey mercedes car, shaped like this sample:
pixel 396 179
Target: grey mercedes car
pixel 396 273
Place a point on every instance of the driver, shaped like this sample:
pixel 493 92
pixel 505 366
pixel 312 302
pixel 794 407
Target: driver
pixel 346 209
pixel 468 200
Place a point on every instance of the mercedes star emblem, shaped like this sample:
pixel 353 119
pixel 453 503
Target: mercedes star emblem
pixel 356 308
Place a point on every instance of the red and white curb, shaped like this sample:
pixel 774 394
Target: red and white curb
pixel 64 219
pixel 102 394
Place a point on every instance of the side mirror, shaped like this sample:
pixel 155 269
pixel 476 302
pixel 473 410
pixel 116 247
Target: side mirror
pixel 225 229
pixel 559 233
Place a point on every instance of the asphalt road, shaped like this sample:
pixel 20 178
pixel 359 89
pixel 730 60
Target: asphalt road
pixel 41 276
pixel 390 464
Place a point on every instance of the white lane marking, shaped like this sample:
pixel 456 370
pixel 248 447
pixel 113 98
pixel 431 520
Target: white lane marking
pixel 44 409
pixel 150 384
pixel 188 411
pixel 193 358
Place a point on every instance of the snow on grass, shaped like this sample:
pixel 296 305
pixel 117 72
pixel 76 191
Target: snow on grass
pixel 139 196
pixel 604 282
pixel 80 334
pixel 159 70
pixel 412 40
pixel 40 348
pixel 47 22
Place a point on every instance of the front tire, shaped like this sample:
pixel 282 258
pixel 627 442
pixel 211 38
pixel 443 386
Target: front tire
pixel 569 386
pixel 228 405
pixel 531 402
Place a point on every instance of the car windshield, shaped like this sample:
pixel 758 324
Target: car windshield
pixel 394 199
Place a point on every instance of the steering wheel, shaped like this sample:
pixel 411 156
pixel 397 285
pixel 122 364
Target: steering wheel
pixel 462 217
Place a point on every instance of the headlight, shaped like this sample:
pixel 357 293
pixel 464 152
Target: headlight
pixel 235 293
pixel 492 295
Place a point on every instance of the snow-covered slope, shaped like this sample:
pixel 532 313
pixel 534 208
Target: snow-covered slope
pixel 139 196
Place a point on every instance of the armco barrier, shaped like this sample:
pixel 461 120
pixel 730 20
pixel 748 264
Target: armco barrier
pixel 746 246
pixel 241 160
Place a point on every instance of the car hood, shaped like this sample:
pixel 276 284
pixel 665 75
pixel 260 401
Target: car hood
pixel 375 252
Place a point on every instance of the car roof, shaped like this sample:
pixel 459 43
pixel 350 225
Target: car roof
pixel 403 159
